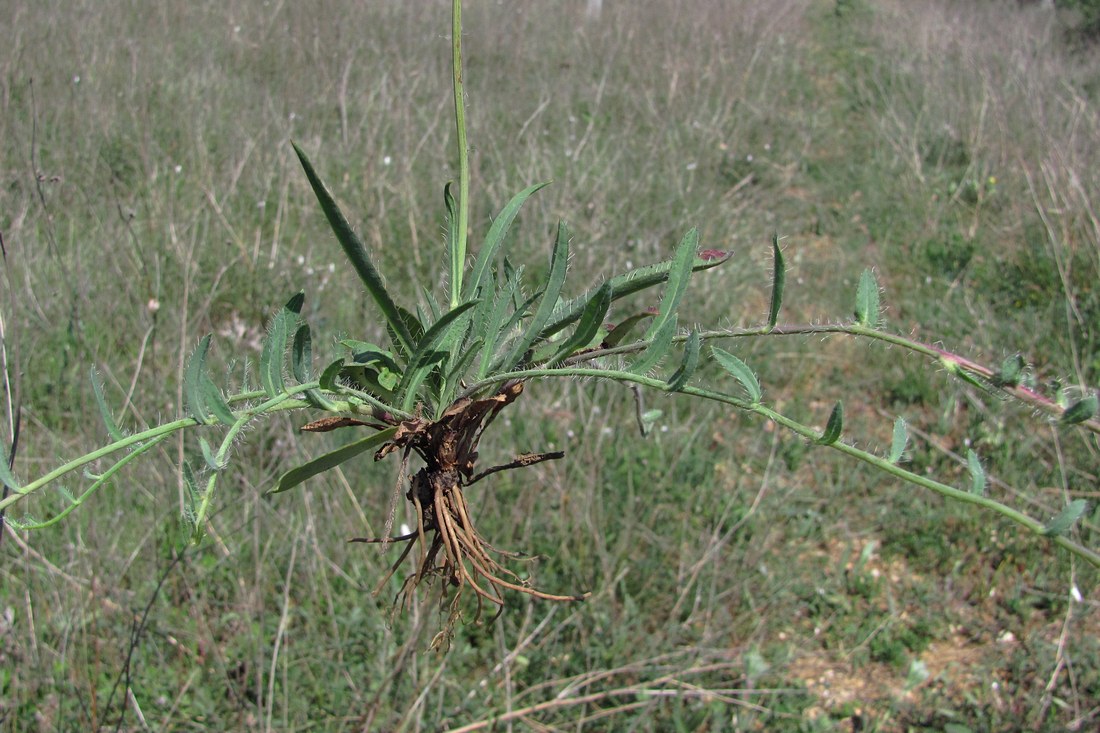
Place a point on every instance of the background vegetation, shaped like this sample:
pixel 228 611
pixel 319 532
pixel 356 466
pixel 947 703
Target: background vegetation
pixel 740 580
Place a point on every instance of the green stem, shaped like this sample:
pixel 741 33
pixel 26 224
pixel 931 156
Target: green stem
pixel 1029 523
pixel 458 247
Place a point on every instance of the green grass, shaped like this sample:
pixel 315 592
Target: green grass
pixel 740 579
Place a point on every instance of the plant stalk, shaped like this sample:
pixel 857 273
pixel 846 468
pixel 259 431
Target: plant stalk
pixel 458 247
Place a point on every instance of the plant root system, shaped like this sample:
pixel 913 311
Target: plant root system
pixel 450 547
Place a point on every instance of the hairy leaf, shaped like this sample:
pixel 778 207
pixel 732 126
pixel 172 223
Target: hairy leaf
pixel 834 427
pixel 589 325
pixel 1065 519
pixel 977 473
pixel 897 444
pixel 688 365
pixel 296 476
pixel 740 372
pixel 779 278
pixel 495 238
pixel 658 347
pixel 358 256
pixel 1080 411
pixel 193 382
pixel 678 275
pixel 867 305
pixel 275 345
pixel 559 261
pixel 104 412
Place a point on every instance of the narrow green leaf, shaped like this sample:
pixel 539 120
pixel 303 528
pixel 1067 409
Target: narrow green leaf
pixel 6 476
pixel 194 394
pixel 208 455
pixel 589 325
pixel 688 365
pixel 1080 411
pixel 678 275
pixel 559 261
pixel 357 254
pixel 453 244
pixel 977 473
pixel 295 476
pixel 275 345
pixel 658 348
pixel 212 398
pixel 740 371
pixel 897 444
pixel 1011 371
pixel 623 328
pixel 330 374
pixel 867 305
pixel 427 356
pixel 834 427
pixel 627 284
pixel 499 325
pixel 779 278
pixel 1065 519
pixel 495 238
pixel 301 355
pixel 104 412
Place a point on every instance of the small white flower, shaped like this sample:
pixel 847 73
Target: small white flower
pixel 261 204
pixel 387 160
pixel 692 166
pixel 178 169
pixel 301 260
pixel 405 530
pixel 154 305
pixel 236 29
pixel 748 158
pixel 1075 593
pixel 76 79
pixel 332 267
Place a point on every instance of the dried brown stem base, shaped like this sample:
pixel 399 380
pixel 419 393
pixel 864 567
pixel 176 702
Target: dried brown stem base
pixel 451 549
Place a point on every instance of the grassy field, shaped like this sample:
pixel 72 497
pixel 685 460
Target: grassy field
pixel 740 578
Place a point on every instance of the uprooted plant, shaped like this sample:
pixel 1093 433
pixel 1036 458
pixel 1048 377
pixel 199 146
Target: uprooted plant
pixel 453 364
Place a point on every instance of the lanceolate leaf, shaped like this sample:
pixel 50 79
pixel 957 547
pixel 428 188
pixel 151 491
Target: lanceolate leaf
pixel 301 354
pixel 495 238
pixel 271 356
pixel 740 372
pixel 834 427
pixel 897 444
pixel 658 347
pixel 1065 519
pixel 678 276
pixel 295 476
pixel 559 261
pixel 688 365
pixel 627 284
pixel 1080 411
pixel 6 476
pixel 358 256
pixel 779 278
pixel 215 403
pixel 977 473
pixel 867 300
pixel 427 355
pixel 456 265
pixel 624 328
pixel 590 323
pixel 192 381
pixel 104 412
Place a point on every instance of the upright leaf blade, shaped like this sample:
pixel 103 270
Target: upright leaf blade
pixel 834 427
pixel 678 275
pixel 357 255
pixel 589 325
pixel 900 438
pixel 658 347
pixel 688 364
pixel 194 394
pixel 559 261
pixel 779 279
pixel 740 371
pixel 977 473
pixel 274 348
pixel 495 238
pixel 867 304
pixel 104 412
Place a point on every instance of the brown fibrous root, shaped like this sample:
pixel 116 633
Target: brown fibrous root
pixel 450 547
